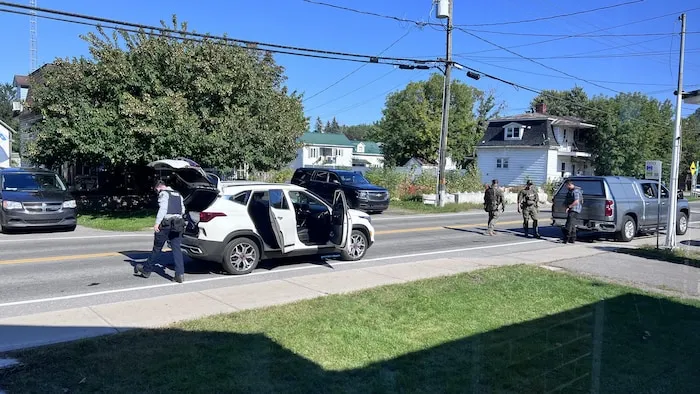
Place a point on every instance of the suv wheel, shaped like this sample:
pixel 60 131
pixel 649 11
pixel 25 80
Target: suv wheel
pixel 241 256
pixel 629 229
pixel 357 248
pixel 681 223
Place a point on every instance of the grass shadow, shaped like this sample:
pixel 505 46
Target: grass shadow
pixel 629 343
pixel 676 256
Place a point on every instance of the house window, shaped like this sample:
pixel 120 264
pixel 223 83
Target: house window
pixel 360 148
pixel 313 153
pixel 502 163
pixel 514 133
pixel 339 152
pixel 563 167
pixel 327 152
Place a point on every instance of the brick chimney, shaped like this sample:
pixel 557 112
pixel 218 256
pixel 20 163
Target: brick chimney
pixel 541 108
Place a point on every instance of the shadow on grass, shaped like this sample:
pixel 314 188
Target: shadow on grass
pixel 627 344
pixel 677 256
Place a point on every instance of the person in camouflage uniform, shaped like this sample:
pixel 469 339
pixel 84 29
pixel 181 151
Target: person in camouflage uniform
pixel 493 204
pixel 528 204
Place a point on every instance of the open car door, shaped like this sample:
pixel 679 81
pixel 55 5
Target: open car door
pixel 340 220
pixel 284 221
pixel 198 189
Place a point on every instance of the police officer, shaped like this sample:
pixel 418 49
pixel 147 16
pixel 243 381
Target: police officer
pixel 169 226
pixel 493 204
pixel 573 209
pixel 528 204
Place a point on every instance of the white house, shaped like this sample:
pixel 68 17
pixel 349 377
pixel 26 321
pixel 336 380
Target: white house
pixel 533 146
pixel 336 150
pixel 367 154
pixel 5 145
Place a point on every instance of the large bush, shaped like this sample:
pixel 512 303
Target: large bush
pixel 403 185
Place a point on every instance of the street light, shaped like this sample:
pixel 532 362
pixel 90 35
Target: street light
pixel 692 97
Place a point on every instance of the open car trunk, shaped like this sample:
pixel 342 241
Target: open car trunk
pixel 198 189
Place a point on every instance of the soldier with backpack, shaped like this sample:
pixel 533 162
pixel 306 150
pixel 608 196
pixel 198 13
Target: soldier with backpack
pixel 573 204
pixel 493 204
pixel 528 204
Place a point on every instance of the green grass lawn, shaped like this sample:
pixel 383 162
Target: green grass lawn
pixel 408 207
pixel 514 329
pixel 118 221
pixel 680 255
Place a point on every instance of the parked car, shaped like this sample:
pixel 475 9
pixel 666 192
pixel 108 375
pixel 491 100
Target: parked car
pixel 35 198
pixel 240 224
pixel 361 194
pixel 621 205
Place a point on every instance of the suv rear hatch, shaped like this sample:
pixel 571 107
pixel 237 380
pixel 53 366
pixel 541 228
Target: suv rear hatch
pixel 198 189
pixel 596 203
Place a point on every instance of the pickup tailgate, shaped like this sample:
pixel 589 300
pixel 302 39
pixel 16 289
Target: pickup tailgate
pixel 594 197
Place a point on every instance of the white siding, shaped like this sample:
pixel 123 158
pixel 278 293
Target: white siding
pixel 552 163
pixel 374 160
pixel 523 163
pixel 5 146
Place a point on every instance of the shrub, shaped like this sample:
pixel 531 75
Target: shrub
pixel 468 180
pixel 278 176
pixel 407 186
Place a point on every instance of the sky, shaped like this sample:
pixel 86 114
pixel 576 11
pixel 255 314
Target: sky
pixel 638 61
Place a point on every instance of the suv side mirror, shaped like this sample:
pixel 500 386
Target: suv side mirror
pixel 680 195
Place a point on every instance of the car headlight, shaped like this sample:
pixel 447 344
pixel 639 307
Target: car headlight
pixel 362 195
pixel 11 205
pixel 69 204
pixel 367 218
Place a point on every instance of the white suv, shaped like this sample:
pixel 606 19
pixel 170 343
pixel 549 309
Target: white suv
pixel 240 224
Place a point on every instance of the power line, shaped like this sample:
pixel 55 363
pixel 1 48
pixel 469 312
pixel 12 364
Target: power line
pixel 540 63
pixel 422 24
pixel 608 56
pixel 353 91
pixel 587 34
pixel 561 76
pixel 357 69
pixel 545 18
pixel 185 34
pixel 524 34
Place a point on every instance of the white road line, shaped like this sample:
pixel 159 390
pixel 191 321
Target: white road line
pixel 76 238
pixel 235 277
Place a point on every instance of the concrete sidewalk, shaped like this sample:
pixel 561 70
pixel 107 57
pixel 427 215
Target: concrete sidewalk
pixel 597 258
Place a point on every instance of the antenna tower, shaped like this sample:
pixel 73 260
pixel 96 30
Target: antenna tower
pixel 32 38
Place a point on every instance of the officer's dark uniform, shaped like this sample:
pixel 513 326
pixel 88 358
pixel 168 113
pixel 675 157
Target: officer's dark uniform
pixel 172 225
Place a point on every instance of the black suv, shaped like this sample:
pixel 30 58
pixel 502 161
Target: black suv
pixel 35 198
pixel 360 193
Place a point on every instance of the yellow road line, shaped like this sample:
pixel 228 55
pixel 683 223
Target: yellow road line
pixel 115 254
pixel 437 228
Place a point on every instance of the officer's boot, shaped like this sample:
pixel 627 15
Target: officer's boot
pixel 526 230
pixel 536 229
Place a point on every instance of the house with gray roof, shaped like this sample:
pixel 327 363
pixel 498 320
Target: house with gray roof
pixel 337 150
pixel 534 146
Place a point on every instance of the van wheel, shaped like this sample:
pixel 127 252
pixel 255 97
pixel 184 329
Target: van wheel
pixel 357 248
pixel 629 229
pixel 682 224
pixel 241 256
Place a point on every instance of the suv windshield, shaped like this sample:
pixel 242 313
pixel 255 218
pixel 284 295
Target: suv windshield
pixel 32 182
pixel 352 179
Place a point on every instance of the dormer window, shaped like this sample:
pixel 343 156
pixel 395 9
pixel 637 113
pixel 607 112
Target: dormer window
pixel 514 131
pixel 360 148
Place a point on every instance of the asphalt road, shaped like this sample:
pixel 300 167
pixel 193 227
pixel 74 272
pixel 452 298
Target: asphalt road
pixel 54 271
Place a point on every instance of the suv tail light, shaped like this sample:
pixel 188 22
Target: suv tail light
pixel 208 216
pixel 609 207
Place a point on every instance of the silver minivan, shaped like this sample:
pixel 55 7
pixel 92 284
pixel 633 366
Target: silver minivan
pixel 621 205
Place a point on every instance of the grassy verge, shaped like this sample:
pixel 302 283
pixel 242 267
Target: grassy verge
pixel 118 221
pixel 419 207
pixel 512 329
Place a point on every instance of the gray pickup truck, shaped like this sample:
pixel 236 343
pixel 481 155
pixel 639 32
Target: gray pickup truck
pixel 620 205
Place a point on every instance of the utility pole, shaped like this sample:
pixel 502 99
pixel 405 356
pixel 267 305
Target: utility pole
pixel 441 192
pixel 676 153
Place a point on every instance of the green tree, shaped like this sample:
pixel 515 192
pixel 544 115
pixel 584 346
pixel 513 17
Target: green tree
pixel 7 94
pixel 630 127
pixel 318 127
pixel 333 127
pixel 142 97
pixel 359 132
pixel 411 122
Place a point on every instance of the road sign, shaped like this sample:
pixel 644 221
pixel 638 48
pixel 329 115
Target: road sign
pixel 692 168
pixel 652 169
